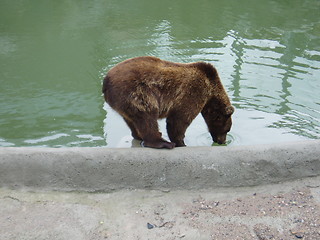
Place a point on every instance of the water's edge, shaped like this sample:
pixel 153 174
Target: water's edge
pixel 105 169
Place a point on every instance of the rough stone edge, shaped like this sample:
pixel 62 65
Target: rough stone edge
pixel 105 169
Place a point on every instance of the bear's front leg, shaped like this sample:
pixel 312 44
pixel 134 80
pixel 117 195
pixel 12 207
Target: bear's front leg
pixel 177 125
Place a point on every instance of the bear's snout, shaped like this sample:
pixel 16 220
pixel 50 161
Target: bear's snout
pixel 220 139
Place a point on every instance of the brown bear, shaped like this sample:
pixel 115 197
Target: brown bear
pixel 144 89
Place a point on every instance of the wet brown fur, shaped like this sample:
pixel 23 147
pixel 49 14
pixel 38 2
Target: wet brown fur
pixel 144 89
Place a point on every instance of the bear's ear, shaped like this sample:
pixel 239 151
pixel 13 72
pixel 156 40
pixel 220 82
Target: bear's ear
pixel 229 110
pixel 209 70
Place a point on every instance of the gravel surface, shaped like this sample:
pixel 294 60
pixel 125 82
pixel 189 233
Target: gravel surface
pixel 289 210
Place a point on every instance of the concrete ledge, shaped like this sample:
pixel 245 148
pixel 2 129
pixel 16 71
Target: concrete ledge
pixel 104 169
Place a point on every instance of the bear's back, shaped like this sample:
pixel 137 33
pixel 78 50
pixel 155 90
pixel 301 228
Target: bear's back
pixel 149 68
pixel 158 76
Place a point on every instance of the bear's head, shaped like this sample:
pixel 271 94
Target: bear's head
pixel 218 119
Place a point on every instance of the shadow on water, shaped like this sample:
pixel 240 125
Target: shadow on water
pixel 54 57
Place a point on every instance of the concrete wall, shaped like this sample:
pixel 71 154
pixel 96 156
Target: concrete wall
pixel 104 169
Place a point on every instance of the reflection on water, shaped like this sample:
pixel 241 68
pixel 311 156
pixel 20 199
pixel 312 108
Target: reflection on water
pixel 249 127
pixel 54 56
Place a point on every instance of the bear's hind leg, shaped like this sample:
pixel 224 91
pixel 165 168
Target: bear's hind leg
pixel 148 129
pixel 134 132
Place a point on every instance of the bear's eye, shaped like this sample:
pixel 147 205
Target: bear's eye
pixel 218 118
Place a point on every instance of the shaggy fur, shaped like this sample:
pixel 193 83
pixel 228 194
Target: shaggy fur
pixel 144 89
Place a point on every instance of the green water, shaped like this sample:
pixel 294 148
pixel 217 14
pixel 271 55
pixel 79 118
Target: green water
pixel 54 54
